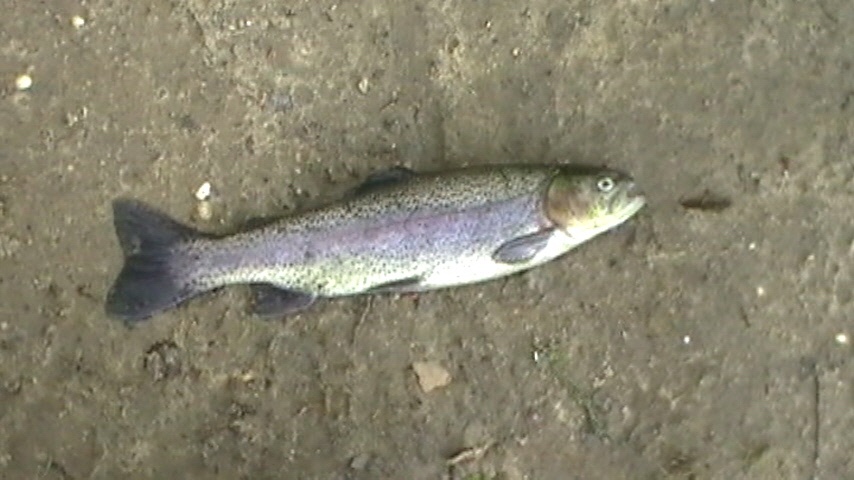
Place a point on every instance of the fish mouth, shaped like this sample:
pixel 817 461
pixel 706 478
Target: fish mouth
pixel 636 202
pixel 629 203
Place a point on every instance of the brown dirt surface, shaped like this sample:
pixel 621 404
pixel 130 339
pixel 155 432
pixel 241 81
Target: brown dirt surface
pixel 705 339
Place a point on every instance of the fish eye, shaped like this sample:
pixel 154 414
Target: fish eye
pixel 605 184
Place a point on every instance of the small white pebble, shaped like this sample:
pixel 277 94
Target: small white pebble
pixel 204 192
pixel 77 21
pixel 431 375
pixel 516 52
pixel 23 82
pixel 686 339
pixel 842 338
pixel 760 291
pixel 364 85
pixel 752 246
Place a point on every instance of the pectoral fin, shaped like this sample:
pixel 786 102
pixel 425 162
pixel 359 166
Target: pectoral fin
pixel 523 249
pixel 269 301
pixel 384 178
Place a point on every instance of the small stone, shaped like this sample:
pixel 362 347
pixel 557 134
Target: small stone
pixel 203 192
pixel 23 82
pixel 8 245
pixel 162 360
pixel 431 375
pixel 360 461
pixel 77 21
pixel 363 85
pixel 842 338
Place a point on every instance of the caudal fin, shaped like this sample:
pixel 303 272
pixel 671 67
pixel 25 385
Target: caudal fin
pixel 154 276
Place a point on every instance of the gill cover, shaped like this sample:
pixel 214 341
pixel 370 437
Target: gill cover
pixel 583 200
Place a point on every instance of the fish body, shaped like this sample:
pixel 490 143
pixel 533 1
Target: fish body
pixel 399 232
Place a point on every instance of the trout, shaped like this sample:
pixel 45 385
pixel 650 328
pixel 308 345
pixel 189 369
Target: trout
pixel 400 231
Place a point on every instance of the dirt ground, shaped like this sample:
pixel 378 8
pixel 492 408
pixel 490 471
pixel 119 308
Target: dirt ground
pixel 706 339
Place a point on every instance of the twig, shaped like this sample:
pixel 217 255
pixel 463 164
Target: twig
pixel 469 454
pixel 817 418
pixel 361 319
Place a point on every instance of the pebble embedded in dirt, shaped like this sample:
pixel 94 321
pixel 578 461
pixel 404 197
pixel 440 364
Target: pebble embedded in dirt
pixel 359 462
pixel 203 195
pixel 431 375
pixel 204 210
pixel 364 85
pixel 8 245
pixel 163 360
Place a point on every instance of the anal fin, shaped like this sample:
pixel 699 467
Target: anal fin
pixel 384 178
pixel 411 284
pixel 271 301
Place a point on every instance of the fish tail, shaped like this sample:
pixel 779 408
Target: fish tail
pixel 155 276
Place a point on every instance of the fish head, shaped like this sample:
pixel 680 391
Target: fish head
pixel 585 201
